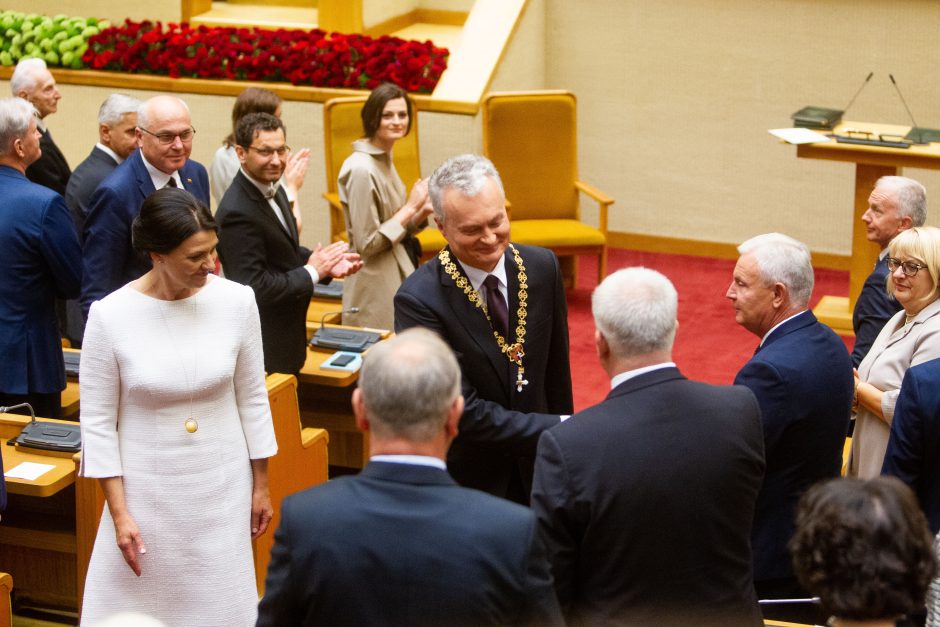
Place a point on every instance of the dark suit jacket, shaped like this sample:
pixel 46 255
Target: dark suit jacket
pixel 110 260
pixel 51 169
pixel 256 250
pixel 913 453
pixel 403 544
pixel 40 260
pixel 872 310
pixel 802 377
pixel 84 181
pixel 646 501
pixel 499 430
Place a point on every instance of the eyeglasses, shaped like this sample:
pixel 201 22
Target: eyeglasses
pixel 168 138
pixel 282 152
pixel 910 268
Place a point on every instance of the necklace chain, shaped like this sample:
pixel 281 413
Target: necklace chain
pixel 190 423
pixel 514 352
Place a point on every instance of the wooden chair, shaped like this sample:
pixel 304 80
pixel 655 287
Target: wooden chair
pixel 6 607
pixel 342 125
pixel 531 137
pixel 301 461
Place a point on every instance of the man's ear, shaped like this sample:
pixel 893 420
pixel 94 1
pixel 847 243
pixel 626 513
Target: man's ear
pixel 241 153
pixel 781 295
pixel 452 424
pixel 359 410
pixel 601 345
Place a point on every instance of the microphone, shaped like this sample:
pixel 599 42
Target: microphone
pixel 48 436
pixel 334 338
pixel 917 134
pixel 6 410
pixel 864 84
pixel 351 310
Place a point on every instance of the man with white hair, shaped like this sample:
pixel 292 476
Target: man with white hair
pixel 41 260
pixel 646 499
pixel 164 133
pixel 32 81
pixel 802 376
pixel 401 543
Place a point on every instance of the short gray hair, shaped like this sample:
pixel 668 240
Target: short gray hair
pixel 143 111
pixel 782 259
pixel 635 311
pixel 24 75
pixel 115 107
pixel 467 173
pixel 911 197
pixel 15 114
pixel 408 383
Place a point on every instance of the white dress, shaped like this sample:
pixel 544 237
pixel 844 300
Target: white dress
pixel 190 493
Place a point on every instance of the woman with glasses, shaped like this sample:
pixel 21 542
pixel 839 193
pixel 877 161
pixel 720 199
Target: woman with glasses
pixel 380 219
pixel 910 337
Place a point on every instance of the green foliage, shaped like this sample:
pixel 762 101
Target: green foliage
pixel 59 40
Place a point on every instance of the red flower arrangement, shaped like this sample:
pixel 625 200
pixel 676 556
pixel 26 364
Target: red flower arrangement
pixel 300 57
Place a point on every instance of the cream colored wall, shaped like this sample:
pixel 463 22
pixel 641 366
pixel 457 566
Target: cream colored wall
pixel 446 5
pixel 165 10
pixel 378 11
pixel 675 99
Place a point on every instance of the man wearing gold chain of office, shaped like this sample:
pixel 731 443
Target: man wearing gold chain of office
pixel 502 309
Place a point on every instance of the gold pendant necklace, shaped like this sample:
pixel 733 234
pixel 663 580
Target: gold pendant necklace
pixel 514 352
pixel 190 423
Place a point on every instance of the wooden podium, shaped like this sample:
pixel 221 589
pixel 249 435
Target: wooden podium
pixel 871 163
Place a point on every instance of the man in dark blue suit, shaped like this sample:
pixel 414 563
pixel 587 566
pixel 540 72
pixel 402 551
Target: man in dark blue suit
pixel 913 453
pixel 896 204
pixel 41 260
pixel 401 543
pixel 802 377
pixel 646 499
pixel 165 137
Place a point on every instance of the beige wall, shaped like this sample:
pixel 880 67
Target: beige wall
pixel 675 98
pixel 378 11
pixel 164 10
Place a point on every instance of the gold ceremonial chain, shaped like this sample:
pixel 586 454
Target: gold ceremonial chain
pixel 513 352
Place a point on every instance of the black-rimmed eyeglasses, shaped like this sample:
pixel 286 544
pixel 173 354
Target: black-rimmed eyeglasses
pixel 909 268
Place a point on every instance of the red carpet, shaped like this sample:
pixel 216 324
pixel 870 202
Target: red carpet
pixel 710 346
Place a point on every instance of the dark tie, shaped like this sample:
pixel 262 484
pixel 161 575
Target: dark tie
pixel 171 183
pixel 496 304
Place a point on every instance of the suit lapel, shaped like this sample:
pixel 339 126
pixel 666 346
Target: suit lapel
pixel 144 182
pixel 280 199
pixel 254 194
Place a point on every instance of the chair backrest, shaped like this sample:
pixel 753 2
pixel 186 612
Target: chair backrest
pixel 531 137
pixel 342 125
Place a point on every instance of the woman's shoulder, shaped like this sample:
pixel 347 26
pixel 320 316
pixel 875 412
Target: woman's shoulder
pixel 223 288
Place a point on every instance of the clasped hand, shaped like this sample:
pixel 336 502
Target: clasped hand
pixel 335 260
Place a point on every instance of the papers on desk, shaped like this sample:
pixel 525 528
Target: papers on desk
pixel 798 135
pixel 28 470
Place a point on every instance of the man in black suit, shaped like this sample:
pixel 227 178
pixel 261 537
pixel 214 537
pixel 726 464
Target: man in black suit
pixel 801 375
pixel 259 246
pixel 501 307
pixel 117 139
pixel 401 543
pixel 33 81
pixel 646 499
pixel 896 204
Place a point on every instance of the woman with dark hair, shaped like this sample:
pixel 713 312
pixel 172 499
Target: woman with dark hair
pixel 176 426
pixel 380 220
pixel 225 163
pixel 864 548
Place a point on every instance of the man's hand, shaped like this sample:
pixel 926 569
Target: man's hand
pixel 323 259
pixel 296 169
pixel 349 264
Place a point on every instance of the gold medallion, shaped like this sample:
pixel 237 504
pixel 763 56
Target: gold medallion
pixel 191 425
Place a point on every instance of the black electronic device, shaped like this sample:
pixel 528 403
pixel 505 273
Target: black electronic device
pixel 823 117
pixel 47 436
pixel 917 134
pixel 341 339
pixel 342 360
pixel 332 290
pixel 72 362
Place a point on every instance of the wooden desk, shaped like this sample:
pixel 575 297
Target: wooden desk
pixel 871 163
pixel 326 402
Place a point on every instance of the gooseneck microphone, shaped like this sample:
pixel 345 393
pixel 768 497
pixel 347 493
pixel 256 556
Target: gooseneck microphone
pixel 351 310
pixel 903 101
pixel 6 410
pixel 852 101
pixel 917 134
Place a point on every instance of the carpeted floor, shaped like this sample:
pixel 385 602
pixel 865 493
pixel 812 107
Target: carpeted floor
pixel 710 346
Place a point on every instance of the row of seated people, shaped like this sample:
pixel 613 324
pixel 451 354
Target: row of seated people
pixel 804 396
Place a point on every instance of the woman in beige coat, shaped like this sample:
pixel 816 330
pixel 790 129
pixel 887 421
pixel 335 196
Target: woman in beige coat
pixel 380 221
pixel 910 337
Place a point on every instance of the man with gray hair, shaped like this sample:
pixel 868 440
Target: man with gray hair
pixel 41 260
pixel 164 134
pixel 502 309
pixel 32 81
pixel 646 499
pixel 401 543
pixel 896 204
pixel 117 139
pixel 802 376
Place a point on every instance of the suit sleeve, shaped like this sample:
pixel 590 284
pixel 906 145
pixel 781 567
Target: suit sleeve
pixel 541 603
pixel 904 457
pixel 482 420
pixel 61 250
pixel 558 519
pixel 104 252
pixel 279 605
pixel 243 252
pixel 873 310
pixel 773 397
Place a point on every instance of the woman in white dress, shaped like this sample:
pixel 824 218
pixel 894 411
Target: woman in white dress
pixel 177 428
pixel 380 221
